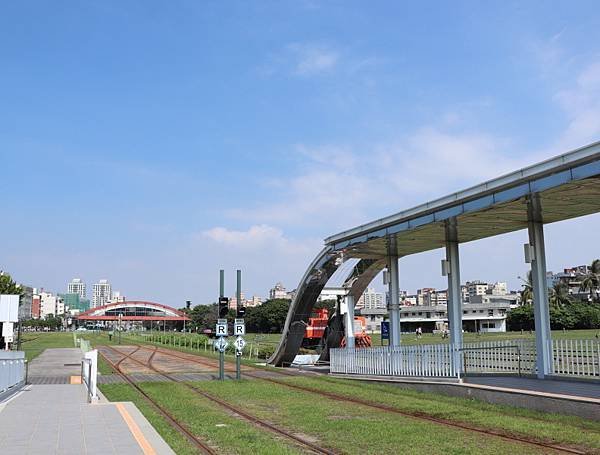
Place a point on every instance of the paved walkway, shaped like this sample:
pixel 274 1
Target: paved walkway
pixel 586 389
pixel 46 419
pixel 55 366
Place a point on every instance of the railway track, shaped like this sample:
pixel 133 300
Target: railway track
pixel 386 408
pixel 304 443
pixel 201 445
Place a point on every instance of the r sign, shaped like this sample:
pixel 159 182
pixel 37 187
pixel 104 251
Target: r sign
pixel 239 328
pixel 221 328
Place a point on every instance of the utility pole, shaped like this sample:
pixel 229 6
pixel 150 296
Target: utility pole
pixel 120 320
pixel 221 351
pixel 238 352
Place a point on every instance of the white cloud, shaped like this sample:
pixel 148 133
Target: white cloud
pixel 339 186
pixel 255 236
pixel 581 103
pixel 313 59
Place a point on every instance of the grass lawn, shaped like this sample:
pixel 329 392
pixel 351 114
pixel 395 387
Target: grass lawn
pixel 351 428
pixel 548 427
pixel 208 421
pixel 34 343
pixel 340 426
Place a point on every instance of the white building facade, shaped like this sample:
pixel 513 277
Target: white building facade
pixel 77 286
pixel 278 292
pixel 102 293
pixel 50 304
pixel 370 299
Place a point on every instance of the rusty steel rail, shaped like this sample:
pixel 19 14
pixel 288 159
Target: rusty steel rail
pixel 197 442
pixel 249 417
pixel 386 408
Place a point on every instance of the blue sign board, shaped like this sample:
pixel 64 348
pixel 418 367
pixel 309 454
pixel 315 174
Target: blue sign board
pixel 385 330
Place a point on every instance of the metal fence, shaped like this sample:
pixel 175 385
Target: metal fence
pixel 500 357
pixel 569 358
pixel 576 357
pixel 423 361
pixel 12 371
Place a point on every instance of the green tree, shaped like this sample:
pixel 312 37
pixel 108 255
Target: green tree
pixel 204 316
pixel 559 295
pixel 527 291
pixel 520 318
pixel 591 281
pixel 8 286
pixel 268 317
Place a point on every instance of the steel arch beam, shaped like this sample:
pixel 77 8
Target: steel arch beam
pixel 314 280
pixel 357 282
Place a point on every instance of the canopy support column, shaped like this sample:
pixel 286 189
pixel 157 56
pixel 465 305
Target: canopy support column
pixel 541 310
pixel 349 321
pixel 452 270
pixel 394 293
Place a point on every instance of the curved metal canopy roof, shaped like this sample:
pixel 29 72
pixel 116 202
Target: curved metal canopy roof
pixel 157 312
pixel 568 186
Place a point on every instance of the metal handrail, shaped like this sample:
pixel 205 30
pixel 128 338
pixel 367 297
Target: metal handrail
pixel 89 376
pixel 517 347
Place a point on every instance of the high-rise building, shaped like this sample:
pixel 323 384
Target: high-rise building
pixel 498 288
pixel 476 288
pixel 370 299
pixel 77 286
pixel 74 303
pixel 278 292
pixel 26 303
pixel 102 293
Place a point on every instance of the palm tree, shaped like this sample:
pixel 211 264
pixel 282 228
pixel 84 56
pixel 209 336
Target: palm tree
pixel 591 280
pixel 527 291
pixel 559 295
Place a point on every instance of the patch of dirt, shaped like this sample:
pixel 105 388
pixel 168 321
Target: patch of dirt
pixel 306 437
pixel 339 417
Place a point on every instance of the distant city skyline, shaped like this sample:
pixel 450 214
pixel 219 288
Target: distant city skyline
pixel 161 152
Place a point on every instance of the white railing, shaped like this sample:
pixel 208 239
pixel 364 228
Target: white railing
pixel 569 358
pixel 576 357
pixel 89 374
pixel 502 357
pixel 12 370
pixel 423 361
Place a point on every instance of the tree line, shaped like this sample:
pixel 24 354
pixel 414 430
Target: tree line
pixel 266 318
pixel 566 310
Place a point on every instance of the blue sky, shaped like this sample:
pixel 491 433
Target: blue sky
pixel 152 143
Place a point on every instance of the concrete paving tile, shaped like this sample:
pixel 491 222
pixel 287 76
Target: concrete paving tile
pixel 14 450
pixel 71 451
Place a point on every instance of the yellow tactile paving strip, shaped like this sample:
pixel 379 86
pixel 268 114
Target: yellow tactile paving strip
pixel 135 430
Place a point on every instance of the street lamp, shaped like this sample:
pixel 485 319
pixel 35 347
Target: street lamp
pixel 120 320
